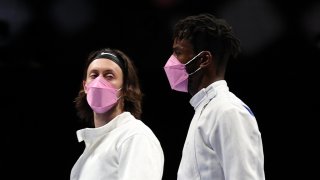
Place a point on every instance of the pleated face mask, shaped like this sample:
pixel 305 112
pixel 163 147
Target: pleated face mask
pixel 177 74
pixel 101 95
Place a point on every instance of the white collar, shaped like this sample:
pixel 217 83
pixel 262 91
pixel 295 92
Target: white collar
pixel 206 94
pixel 88 134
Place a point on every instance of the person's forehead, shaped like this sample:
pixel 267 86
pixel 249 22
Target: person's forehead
pixel 103 64
pixel 182 44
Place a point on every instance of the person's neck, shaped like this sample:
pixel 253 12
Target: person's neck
pixel 102 119
pixel 206 81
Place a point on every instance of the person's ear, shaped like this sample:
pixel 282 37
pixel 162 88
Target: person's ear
pixel 84 86
pixel 206 59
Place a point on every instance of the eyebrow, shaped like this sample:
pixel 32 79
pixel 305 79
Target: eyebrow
pixel 177 48
pixel 105 71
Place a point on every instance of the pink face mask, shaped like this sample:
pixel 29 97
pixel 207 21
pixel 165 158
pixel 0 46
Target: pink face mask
pixel 101 96
pixel 177 74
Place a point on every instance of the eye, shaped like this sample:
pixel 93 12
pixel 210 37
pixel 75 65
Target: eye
pixel 109 76
pixel 177 53
pixel 93 75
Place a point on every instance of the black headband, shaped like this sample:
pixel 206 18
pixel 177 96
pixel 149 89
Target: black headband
pixel 118 60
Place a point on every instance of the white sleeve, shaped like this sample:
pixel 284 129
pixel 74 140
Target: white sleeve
pixel 237 140
pixel 140 158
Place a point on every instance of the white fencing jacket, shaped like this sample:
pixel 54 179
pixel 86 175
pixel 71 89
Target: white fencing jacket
pixel 223 141
pixel 123 149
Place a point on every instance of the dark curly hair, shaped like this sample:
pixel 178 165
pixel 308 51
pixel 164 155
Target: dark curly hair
pixel 131 91
pixel 206 32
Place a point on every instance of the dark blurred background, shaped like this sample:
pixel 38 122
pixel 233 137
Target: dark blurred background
pixel 43 46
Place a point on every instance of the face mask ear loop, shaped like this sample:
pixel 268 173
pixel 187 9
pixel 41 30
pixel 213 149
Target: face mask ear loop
pixel 194 71
pixel 119 96
pixel 193 58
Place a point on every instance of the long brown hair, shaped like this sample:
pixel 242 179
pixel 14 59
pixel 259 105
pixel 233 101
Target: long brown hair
pixel 131 92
